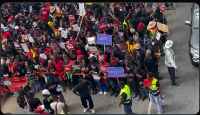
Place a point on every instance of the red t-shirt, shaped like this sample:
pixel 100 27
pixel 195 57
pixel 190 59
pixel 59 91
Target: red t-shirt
pixel 6 35
pixel 45 15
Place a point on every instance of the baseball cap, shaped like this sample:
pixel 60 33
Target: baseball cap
pixel 45 92
pixel 40 108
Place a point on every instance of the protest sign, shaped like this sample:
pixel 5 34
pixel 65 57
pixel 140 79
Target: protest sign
pixel 30 38
pixel 158 36
pixel 25 47
pixel 54 47
pixel 103 69
pixel 37 32
pixel 122 47
pixel 92 49
pixel 162 9
pixel 76 27
pixel 71 18
pixel 95 75
pixel 82 9
pixel 17 45
pixel 103 27
pixel 115 71
pixel 91 40
pixel 76 67
pixel 104 39
pixel 67 69
pixel 69 46
pixel 43 56
pixel 162 27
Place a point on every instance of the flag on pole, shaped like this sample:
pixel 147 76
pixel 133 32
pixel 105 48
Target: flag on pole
pixel 88 5
pixel 27 102
pixel 56 33
pixel 157 54
pixel 103 7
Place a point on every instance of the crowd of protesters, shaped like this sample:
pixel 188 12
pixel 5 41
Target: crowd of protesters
pixel 131 24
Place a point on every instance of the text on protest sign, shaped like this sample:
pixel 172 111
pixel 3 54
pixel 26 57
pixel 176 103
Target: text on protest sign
pixel 115 71
pixel 104 39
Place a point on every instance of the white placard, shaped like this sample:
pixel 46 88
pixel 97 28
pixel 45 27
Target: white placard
pixel 82 9
pixel 92 48
pixel 25 47
pixel 7 83
pixel 30 38
pixel 76 27
pixel 76 66
pixel 43 56
pixel 91 40
pixel 16 45
pixel 121 34
pixel 158 36
pixel 30 8
pixel 62 45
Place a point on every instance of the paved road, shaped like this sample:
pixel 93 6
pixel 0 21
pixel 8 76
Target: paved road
pixel 178 100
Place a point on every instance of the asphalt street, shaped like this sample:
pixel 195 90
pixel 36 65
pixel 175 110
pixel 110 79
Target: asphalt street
pixel 183 99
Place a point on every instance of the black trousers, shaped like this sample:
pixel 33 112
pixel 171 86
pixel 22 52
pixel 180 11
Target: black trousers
pixel 89 78
pixel 135 87
pixel 171 71
pixel 84 102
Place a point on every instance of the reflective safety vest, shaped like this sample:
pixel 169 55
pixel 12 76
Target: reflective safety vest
pixel 125 23
pixel 127 91
pixel 166 56
pixel 153 89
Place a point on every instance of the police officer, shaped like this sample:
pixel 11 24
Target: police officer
pixel 170 61
pixel 125 98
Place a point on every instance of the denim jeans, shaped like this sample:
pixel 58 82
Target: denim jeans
pixel 128 110
pixel 102 86
pixel 144 90
pixel 157 101
pixel 37 85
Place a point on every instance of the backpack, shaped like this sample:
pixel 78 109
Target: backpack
pixel 21 102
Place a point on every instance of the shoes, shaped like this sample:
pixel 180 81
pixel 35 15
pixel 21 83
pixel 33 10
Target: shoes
pixel 176 77
pixel 175 84
pixel 101 93
pixel 140 96
pixel 95 91
pixel 92 110
pixel 105 93
pixel 92 92
pixel 112 93
pixel 143 98
pixel 135 96
pixel 116 93
pixel 85 110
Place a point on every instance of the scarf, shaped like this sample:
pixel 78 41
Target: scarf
pixel 140 27
pixel 148 82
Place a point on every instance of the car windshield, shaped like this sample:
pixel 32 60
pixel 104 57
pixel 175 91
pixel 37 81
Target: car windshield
pixel 196 20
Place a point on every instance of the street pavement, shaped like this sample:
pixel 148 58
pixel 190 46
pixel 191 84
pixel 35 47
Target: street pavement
pixel 183 99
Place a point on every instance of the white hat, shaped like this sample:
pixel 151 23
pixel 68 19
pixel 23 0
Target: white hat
pixel 52 8
pixel 152 24
pixel 45 92
pixel 91 55
pixel 16 27
pixel 168 44
pixel 93 19
pixel 35 24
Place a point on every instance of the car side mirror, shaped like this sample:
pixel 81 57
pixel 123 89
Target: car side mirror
pixel 187 23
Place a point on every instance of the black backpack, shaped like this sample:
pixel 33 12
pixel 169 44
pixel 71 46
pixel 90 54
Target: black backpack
pixel 21 102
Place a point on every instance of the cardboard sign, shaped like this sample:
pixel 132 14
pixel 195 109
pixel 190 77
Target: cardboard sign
pixel 92 48
pixel 122 47
pixel 104 39
pixel 71 18
pixel 115 71
pixel 67 69
pixel 69 46
pixel 17 45
pixel 25 47
pixel 91 40
pixel 54 47
pixel 30 38
pixel 76 27
pixel 7 83
pixel 37 33
pixel 103 27
pixel 158 36
pixel 162 27
pixel 76 67
pixel 43 56
pixel 162 9
pixel 103 69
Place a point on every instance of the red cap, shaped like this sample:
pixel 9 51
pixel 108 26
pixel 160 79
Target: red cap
pixel 78 51
pixel 80 57
pixel 50 48
pixel 40 108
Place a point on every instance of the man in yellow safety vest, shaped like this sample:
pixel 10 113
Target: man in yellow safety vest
pixel 170 61
pixel 125 98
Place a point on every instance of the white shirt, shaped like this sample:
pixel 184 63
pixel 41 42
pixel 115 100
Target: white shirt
pixel 63 32
pixel 2 26
pixel 170 58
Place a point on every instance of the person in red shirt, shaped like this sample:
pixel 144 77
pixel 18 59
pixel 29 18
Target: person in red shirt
pixel 5 35
pixel 44 16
